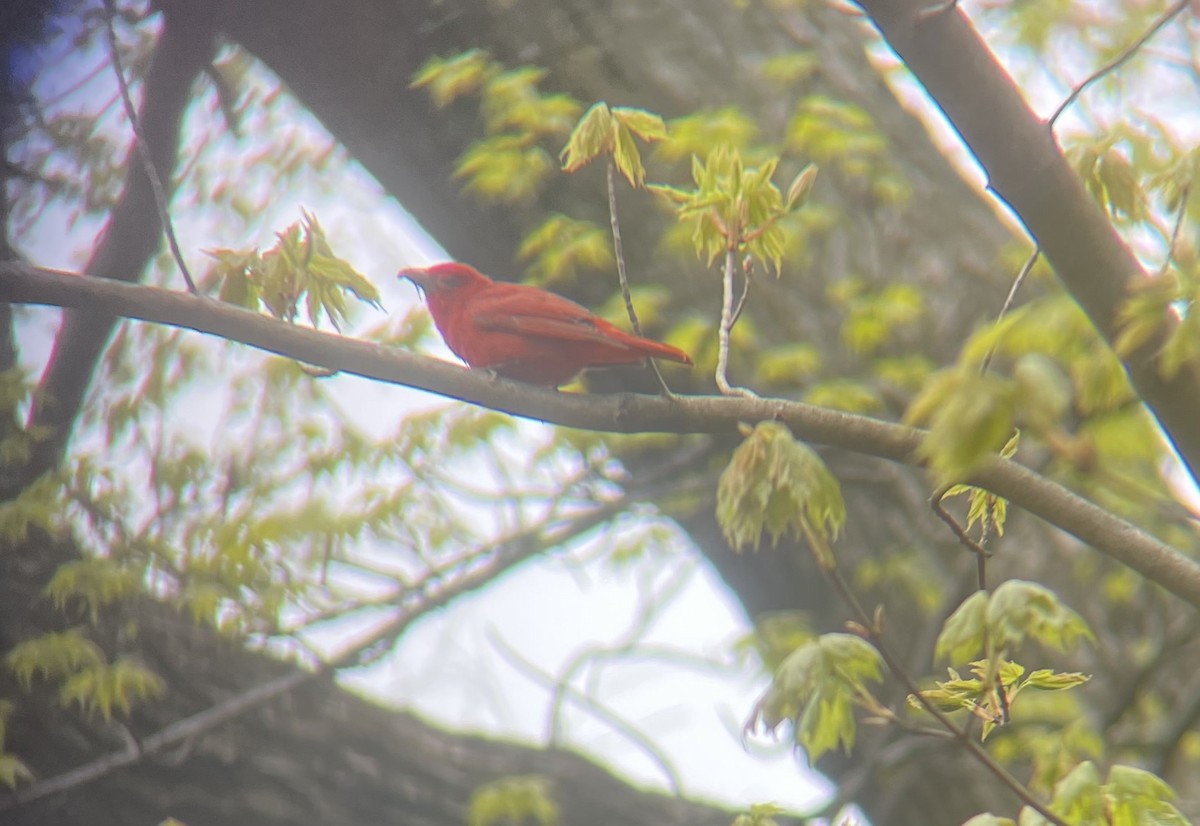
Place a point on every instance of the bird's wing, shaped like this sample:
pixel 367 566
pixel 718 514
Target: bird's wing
pixel 532 312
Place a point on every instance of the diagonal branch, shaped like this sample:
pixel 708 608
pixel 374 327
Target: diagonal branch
pixel 620 413
pixel 1028 171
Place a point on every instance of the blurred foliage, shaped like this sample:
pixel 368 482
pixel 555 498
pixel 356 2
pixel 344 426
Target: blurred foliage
pixel 513 800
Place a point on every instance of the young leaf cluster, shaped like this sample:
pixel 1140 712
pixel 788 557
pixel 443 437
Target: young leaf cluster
pixel 735 208
pixel 611 132
pixel 990 693
pixel 85 676
pixel 817 687
pixel 510 164
pixel 301 266
pixel 777 485
pixel 1128 797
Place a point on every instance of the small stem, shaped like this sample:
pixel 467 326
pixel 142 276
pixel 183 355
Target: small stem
pixel 741 304
pixel 619 251
pixel 143 151
pixel 727 320
pixel 981 553
pixel 1175 230
pixel 1008 302
pixel 1170 14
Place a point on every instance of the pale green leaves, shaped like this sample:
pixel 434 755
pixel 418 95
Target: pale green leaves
pixel 508 165
pixel 561 246
pixel 993 624
pixel 969 415
pixel 605 131
pixel 12 769
pixel 96 581
pixel 86 677
pixel 985 508
pixel 990 695
pixel 513 800
pixel 737 208
pixel 1167 306
pixel 777 485
pixel 760 814
pixel 111 686
pixel 448 78
pixel 1109 177
pixel 817 687
pixel 504 168
pixel 301 267
pixel 1130 797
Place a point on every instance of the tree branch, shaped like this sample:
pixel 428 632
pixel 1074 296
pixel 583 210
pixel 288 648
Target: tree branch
pixel 1028 171
pixel 432 592
pixel 619 413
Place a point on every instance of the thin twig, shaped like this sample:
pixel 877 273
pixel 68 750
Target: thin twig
pixel 898 671
pixel 596 709
pixel 1122 58
pixel 727 319
pixel 638 629
pixel 143 151
pixel 619 251
pixel 1172 245
pixel 514 551
pixel 747 269
pixel 1008 302
pixel 981 553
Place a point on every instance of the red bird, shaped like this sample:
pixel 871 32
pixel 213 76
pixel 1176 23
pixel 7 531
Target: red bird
pixel 525 333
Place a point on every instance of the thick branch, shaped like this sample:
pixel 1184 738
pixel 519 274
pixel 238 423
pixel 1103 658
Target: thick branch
pixel 623 413
pixel 1026 168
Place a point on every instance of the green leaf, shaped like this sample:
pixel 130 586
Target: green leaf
pixel 13 771
pixel 447 79
pixel 1077 798
pixel 104 688
pixel 760 814
pixel 646 125
pixel 970 416
pixel 695 135
pixel 505 169
pixel 513 800
pixel 998 622
pixel 1136 797
pixel 591 137
pixel 95 580
pixel 963 632
pixel 817 687
pixel 561 246
pixel 1019 610
pixel 777 485
pixel 801 185
pixel 627 157
pixel 989 820
pixel 53 656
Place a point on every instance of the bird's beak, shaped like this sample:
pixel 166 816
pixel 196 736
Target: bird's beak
pixel 417 275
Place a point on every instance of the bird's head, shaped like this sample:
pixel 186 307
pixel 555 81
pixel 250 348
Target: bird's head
pixel 444 279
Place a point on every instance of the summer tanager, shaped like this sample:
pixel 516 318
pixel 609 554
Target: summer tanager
pixel 522 332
